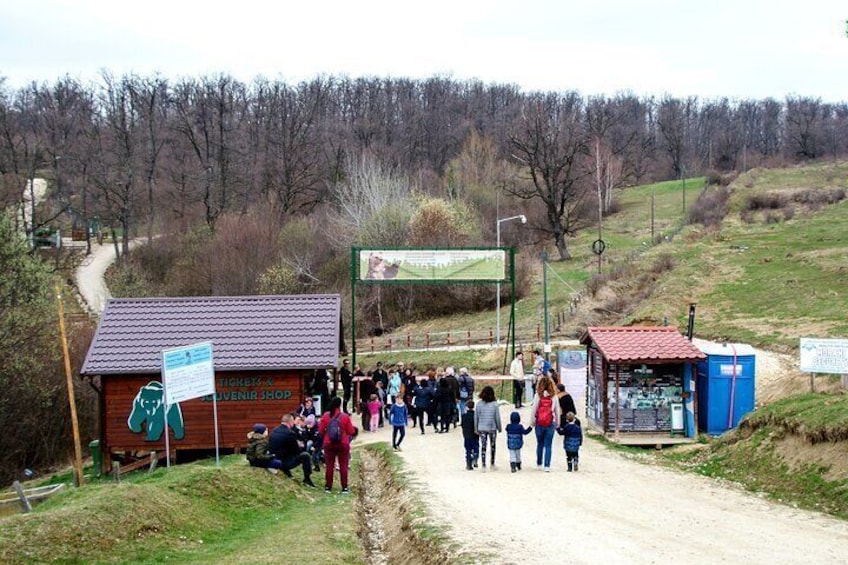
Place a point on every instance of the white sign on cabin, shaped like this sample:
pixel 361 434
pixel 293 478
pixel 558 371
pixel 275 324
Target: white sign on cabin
pixel 824 355
pixel 187 372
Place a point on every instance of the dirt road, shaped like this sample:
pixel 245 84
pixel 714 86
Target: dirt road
pixel 614 510
pixel 89 276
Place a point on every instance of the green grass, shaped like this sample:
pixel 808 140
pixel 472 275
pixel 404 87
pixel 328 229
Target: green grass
pixel 190 514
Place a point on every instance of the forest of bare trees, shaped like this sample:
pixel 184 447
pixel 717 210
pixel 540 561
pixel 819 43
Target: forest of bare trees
pixel 148 155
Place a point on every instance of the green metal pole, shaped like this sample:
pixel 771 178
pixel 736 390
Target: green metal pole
pixel 545 297
pixel 512 298
pixel 354 255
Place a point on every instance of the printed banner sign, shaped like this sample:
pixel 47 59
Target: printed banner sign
pixel 187 372
pixel 824 355
pixel 384 265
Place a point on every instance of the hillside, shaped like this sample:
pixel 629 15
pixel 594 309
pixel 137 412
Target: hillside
pixel 771 272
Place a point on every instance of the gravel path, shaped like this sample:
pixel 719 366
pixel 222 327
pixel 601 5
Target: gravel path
pixel 614 510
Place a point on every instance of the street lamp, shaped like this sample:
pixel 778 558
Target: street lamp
pixel 523 219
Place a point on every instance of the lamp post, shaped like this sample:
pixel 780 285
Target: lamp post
pixel 523 219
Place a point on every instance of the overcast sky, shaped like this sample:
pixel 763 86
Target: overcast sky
pixel 709 48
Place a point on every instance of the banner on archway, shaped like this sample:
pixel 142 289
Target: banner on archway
pixel 424 265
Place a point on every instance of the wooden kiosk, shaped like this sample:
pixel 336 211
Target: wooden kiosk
pixel 267 350
pixel 641 384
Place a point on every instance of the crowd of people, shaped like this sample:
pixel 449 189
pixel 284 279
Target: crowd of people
pixel 437 399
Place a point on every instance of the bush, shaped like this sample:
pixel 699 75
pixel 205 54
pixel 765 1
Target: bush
pixel 711 207
pixel 663 263
pixel 766 201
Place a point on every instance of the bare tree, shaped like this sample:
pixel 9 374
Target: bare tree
pixel 805 119
pixel 209 117
pixel 549 142
pixel 115 172
pixel 150 97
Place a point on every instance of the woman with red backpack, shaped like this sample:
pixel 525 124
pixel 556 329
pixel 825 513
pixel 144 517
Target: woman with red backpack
pixel 544 417
pixel 337 429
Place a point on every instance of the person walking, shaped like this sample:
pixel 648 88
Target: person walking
pixel 515 433
pixel 487 422
pixel 544 416
pixel 337 429
pixel 516 371
pixel 572 441
pixel 466 389
pixel 346 377
pixel 399 417
pixel 566 403
pixel 469 437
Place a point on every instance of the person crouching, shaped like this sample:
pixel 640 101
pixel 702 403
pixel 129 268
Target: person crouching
pixel 257 452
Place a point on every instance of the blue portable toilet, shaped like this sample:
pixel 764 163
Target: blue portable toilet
pixel 725 386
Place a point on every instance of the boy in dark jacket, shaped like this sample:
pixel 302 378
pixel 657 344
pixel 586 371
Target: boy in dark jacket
pixel 572 441
pixel 470 437
pixel 515 433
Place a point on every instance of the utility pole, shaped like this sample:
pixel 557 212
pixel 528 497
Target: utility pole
pixel 71 401
pixel 545 299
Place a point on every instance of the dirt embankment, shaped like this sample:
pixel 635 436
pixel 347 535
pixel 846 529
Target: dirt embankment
pixel 387 514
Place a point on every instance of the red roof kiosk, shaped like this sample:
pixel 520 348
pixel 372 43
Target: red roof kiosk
pixel 641 384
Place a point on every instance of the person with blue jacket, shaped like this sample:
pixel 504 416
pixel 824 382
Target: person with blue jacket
pixel 398 416
pixel 572 441
pixel 515 433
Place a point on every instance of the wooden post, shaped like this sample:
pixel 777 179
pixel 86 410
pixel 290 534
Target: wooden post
pixel 70 379
pixel 448 341
pixel 22 495
pixel 389 344
pixel 812 382
pixel 116 471
pixel 407 341
pixel 372 345
pixel 491 339
pixel 427 338
pixel 468 338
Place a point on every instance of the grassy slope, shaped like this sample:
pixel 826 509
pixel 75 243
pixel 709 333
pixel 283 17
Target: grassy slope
pixel 758 283
pixel 193 513
pixel 764 284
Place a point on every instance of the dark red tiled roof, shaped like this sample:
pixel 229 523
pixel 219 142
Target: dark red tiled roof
pixel 641 344
pixel 247 332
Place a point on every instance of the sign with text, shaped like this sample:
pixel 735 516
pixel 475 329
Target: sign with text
pixel 187 372
pixel 824 355
pixel 385 265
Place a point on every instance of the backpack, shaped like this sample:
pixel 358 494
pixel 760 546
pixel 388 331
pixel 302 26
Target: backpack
pixel 334 430
pixel 463 388
pixel 545 413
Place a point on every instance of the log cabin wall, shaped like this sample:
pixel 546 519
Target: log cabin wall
pixel 244 398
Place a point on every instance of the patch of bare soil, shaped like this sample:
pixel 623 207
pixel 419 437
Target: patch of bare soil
pixel 385 514
pixel 797 452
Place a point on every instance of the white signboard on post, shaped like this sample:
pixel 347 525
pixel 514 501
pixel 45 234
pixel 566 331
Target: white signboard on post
pixel 824 355
pixel 188 372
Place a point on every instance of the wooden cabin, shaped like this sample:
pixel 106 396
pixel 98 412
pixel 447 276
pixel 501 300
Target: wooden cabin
pixel 641 384
pixel 268 351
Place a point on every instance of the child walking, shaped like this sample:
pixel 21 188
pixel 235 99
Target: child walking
pixel 515 433
pixel 469 437
pixel 374 407
pixel 398 416
pixel 572 441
